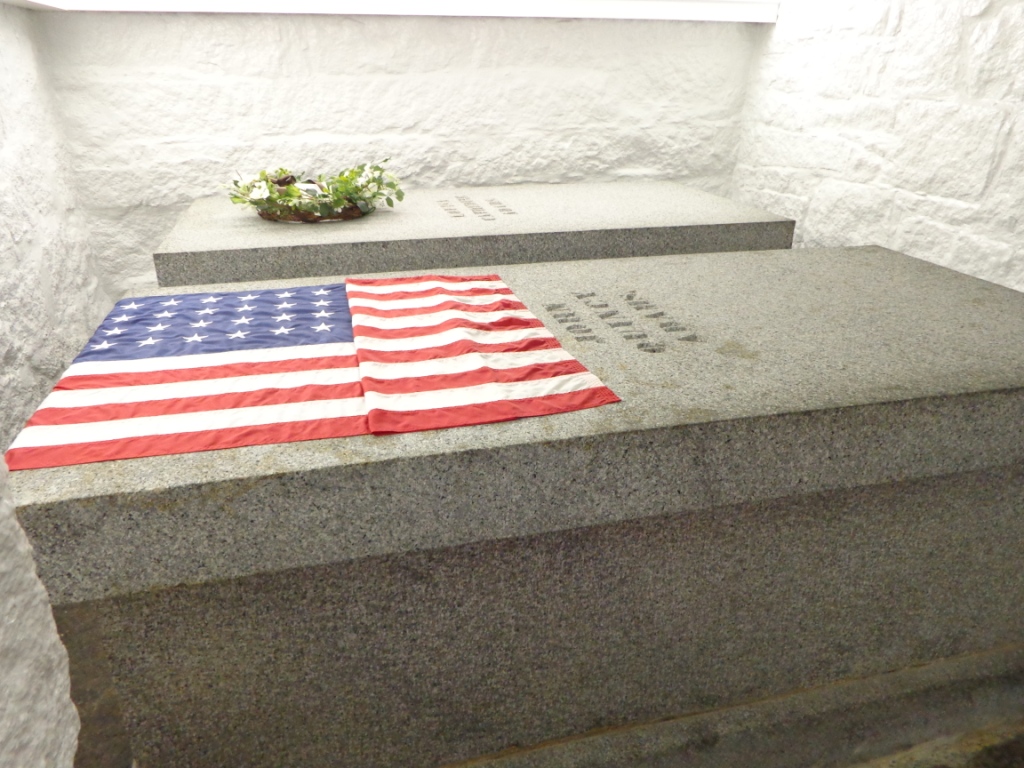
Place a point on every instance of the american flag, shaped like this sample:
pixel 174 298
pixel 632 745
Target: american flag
pixel 197 372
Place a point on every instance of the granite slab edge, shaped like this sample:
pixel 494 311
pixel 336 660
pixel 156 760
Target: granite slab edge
pixel 185 268
pixel 44 486
pixel 88 547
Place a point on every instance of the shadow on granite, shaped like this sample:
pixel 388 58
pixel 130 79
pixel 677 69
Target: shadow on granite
pixel 430 657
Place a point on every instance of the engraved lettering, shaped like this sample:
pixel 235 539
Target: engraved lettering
pixel 501 207
pixel 651 346
pixel 474 207
pixel 449 208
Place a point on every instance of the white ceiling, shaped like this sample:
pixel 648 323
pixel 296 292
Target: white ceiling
pixel 692 10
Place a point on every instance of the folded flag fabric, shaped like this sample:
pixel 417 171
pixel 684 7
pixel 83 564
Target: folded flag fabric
pixel 452 351
pixel 197 372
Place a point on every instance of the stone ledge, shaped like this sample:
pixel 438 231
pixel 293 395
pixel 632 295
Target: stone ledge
pixel 810 371
pixel 839 724
pixel 216 241
pixel 812 476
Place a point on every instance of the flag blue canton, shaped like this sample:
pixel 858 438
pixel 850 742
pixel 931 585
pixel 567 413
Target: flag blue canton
pixel 201 323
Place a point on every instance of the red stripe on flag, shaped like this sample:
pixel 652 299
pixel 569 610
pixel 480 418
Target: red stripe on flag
pixel 498 306
pixel 419 279
pixel 270 396
pixel 472 378
pixel 103 380
pixel 501 324
pixel 188 442
pixel 439 291
pixel 388 422
pixel 454 349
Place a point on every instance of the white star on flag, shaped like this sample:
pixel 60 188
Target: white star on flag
pixel 114 332
pixel 200 324
pixel 133 305
pixel 321 303
pixel 284 305
pixel 322 313
pixel 171 303
pixel 426 352
pixel 123 318
pixel 283 317
pixel 321 292
pixel 245 308
pixel 207 311
pixel 165 313
pixel 250 297
pixel 285 295
pixel 210 299
pixel 157 327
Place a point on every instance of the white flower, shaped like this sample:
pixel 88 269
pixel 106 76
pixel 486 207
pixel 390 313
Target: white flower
pixel 310 189
pixel 259 191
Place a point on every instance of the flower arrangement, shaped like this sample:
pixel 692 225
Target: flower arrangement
pixel 280 196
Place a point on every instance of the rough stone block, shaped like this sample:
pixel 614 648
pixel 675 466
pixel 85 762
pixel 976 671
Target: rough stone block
pixel 814 474
pixel 216 241
pixel 948 149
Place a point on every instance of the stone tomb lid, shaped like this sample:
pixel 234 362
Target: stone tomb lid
pixel 743 376
pixel 215 223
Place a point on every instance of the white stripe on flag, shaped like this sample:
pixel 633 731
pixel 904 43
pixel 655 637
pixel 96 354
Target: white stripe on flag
pixel 80 398
pixel 150 364
pixel 179 423
pixel 425 285
pixel 462 364
pixel 482 393
pixel 450 337
pixel 436 318
pixel 425 301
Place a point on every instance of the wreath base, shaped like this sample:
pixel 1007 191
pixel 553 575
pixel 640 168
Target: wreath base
pixel 308 217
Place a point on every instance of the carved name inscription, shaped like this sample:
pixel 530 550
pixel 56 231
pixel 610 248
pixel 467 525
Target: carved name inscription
pixel 451 209
pixel 477 209
pixel 589 314
pixel 500 207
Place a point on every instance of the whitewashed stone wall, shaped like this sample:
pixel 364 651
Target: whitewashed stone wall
pixel 894 122
pixel 48 299
pixel 159 109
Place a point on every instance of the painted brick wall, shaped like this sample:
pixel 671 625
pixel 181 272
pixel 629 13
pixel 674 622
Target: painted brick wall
pixel 894 122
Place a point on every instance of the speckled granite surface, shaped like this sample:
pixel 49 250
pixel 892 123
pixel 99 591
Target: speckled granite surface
pixel 780 373
pixel 815 473
pixel 430 657
pixel 842 724
pixel 217 241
